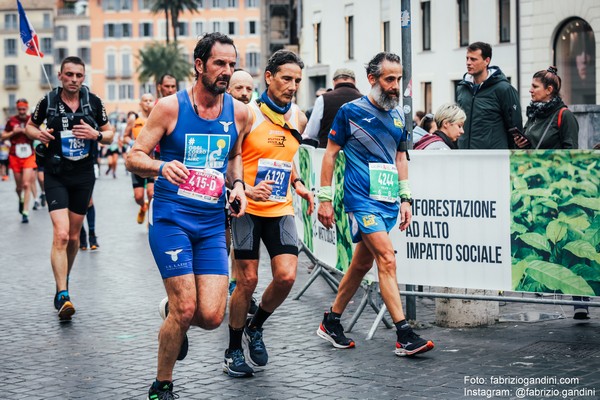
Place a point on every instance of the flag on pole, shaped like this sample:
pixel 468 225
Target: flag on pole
pixel 31 44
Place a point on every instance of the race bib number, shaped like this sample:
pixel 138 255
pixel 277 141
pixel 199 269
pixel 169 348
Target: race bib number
pixel 74 149
pixel 203 185
pixel 23 150
pixel 278 171
pixel 383 182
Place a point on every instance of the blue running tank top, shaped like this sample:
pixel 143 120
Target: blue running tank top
pixel 203 146
pixel 367 135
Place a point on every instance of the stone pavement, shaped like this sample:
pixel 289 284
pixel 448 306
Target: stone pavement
pixel 109 349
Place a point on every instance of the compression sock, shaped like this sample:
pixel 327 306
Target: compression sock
pixel 402 325
pixel 161 384
pixel 91 218
pixel 259 318
pixel 235 338
pixel 333 316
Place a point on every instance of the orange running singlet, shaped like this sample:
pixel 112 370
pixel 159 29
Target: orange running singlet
pixel 267 153
pixel 138 124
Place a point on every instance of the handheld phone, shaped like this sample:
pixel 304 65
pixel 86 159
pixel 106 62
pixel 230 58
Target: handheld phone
pixel 518 134
pixel 235 205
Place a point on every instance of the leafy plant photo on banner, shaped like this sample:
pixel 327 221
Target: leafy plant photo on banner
pixel 555 227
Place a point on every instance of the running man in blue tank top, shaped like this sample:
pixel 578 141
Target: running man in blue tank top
pixel 372 133
pixel 200 131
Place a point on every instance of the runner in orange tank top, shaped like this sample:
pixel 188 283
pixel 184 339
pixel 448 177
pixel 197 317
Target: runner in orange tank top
pixel 269 174
pixel 132 130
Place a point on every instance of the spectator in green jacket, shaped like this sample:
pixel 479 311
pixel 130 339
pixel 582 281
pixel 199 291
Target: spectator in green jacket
pixel 490 102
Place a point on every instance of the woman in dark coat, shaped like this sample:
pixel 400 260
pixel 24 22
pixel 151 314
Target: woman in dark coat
pixel 550 124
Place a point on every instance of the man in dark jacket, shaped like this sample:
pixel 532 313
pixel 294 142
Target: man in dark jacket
pixel 490 102
pixel 327 105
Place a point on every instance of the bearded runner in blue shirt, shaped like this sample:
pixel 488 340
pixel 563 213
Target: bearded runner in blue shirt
pixel 372 133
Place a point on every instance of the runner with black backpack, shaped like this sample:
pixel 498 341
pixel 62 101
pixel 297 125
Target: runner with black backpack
pixel 75 121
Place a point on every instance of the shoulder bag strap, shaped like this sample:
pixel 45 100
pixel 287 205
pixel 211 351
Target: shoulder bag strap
pixel 546 130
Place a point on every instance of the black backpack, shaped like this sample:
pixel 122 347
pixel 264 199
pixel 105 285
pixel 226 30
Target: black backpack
pixel 84 101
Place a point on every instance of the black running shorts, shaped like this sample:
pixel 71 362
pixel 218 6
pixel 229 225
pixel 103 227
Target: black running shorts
pixel 69 190
pixel 277 233
pixel 137 181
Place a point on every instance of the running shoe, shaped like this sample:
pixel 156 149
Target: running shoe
pixel 333 332
pixel 64 307
pixel 409 343
pixel 164 393
pixel 5 178
pixel 142 213
pixel 83 244
pixel 163 310
pixel 235 365
pixel 43 199
pixel 36 205
pixel 93 242
pixel 24 218
pixel 257 352
pixel 253 307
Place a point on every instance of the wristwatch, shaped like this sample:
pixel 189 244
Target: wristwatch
pixel 241 181
pixel 406 200
pixel 100 137
pixel 297 180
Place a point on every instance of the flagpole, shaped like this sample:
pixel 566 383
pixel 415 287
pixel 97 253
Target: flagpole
pixel 42 63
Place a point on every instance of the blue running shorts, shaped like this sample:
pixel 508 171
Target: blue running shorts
pixel 368 222
pixel 185 242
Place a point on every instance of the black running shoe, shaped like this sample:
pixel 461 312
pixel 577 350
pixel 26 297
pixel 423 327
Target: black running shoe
pixel 409 343
pixel 253 307
pixel 93 242
pixel 83 244
pixel 163 310
pixel 43 199
pixel 36 205
pixel 24 219
pixel 235 365
pixel 64 306
pixel 257 352
pixel 333 332
pixel 164 393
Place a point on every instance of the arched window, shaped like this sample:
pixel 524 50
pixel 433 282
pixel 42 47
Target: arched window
pixel 575 57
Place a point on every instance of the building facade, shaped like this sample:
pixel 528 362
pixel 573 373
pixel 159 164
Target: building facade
pixel 120 29
pixel 526 36
pixel 109 43
pixel 22 73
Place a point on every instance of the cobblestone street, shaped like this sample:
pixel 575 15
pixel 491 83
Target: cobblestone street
pixel 109 349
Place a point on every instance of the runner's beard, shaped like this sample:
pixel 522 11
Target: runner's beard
pixel 383 99
pixel 212 86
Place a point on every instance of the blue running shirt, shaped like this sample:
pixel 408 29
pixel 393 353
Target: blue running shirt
pixel 200 144
pixel 367 135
